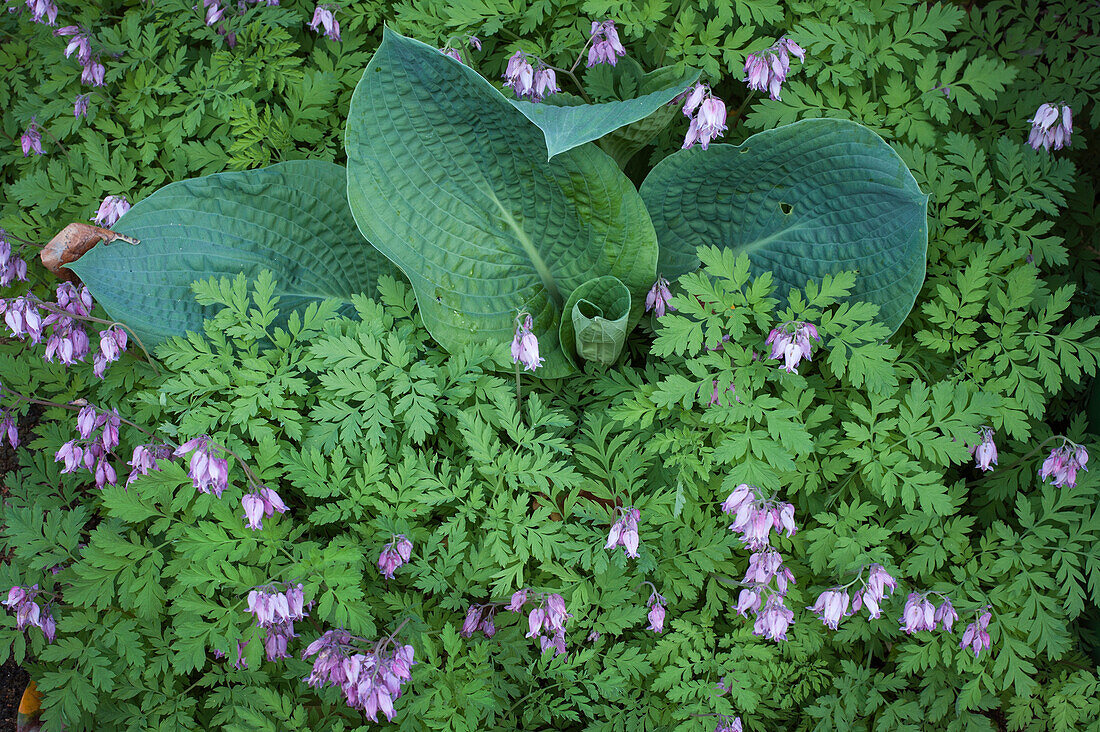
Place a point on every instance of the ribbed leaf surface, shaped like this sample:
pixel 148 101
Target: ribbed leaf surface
pixel 451 182
pixel 291 218
pixel 808 199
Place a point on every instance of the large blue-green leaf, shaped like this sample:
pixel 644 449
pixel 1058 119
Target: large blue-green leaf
pixel 812 198
pixel 291 218
pixel 451 182
pixel 566 127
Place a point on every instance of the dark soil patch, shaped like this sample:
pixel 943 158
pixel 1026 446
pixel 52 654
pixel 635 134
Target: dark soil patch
pixel 13 681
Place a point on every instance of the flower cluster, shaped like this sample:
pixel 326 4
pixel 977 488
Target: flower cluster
pixel 549 617
pixel 656 612
pixel 92 72
pixel 111 210
pixel 920 613
pixel 68 339
pixel 450 50
pixel 27 611
pixel 525 346
pixel 43 11
pixel 263 503
pixel 659 297
pixel 324 17
pixel 625 532
pixel 370 681
pixel 833 604
pixel 208 471
pixel 80 105
pixel 767 70
pixel 31 139
pixel 1051 127
pixel 754 518
pixel 708 116
pixel 394 554
pixel 606 47
pixel 1063 463
pixel 145 459
pixel 975 634
pixel 12 268
pixel 112 342
pixel 22 317
pixel 276 611
pixel 479 618
pixel 91 450
pixel 526 80
pixel 985 452
pixel 792 343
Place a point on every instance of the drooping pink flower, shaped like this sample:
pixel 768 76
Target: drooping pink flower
pixel 658 297
pixel 545 83
pixel 31 139
pixel 656 613
pixel 792 346
pixel 748 601
pixel 525 346
pixel 16 596
pixel 110 211
pixel 767 69
pixel 112 342
pixel 80 43
pixel 453 53
pixel 606 46
pixel 43 11
pixel 975 634
pixel 394 554
pixel 208 471
pixel 625 532
pixel 919 614
pixel 773 621
pixel 1051 127
pixel 519 599
pixel 472 622
pixel 985 452
pixel 519 75
pixel 22 317
pixel 694 98
pixel 764 566
pixel 1063 463
pixel 709 120
pixel 144 459
pixel 214 11
pixel 831 606
pixel 874 591
pixel 946 615
pixel 324 17
pixel 94 73
pixel 80 106
pixel 12 268
pixel 755 518
pixel 8 429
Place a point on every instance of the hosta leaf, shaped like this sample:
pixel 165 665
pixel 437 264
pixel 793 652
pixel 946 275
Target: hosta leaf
pixel 566 127
pixel 816 197
pixel 291 218
pixel 451 182
pixel 598 321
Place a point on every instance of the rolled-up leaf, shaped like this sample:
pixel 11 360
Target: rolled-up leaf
pixel 599 313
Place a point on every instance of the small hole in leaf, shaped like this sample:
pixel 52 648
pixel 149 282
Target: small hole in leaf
pixel 785 207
